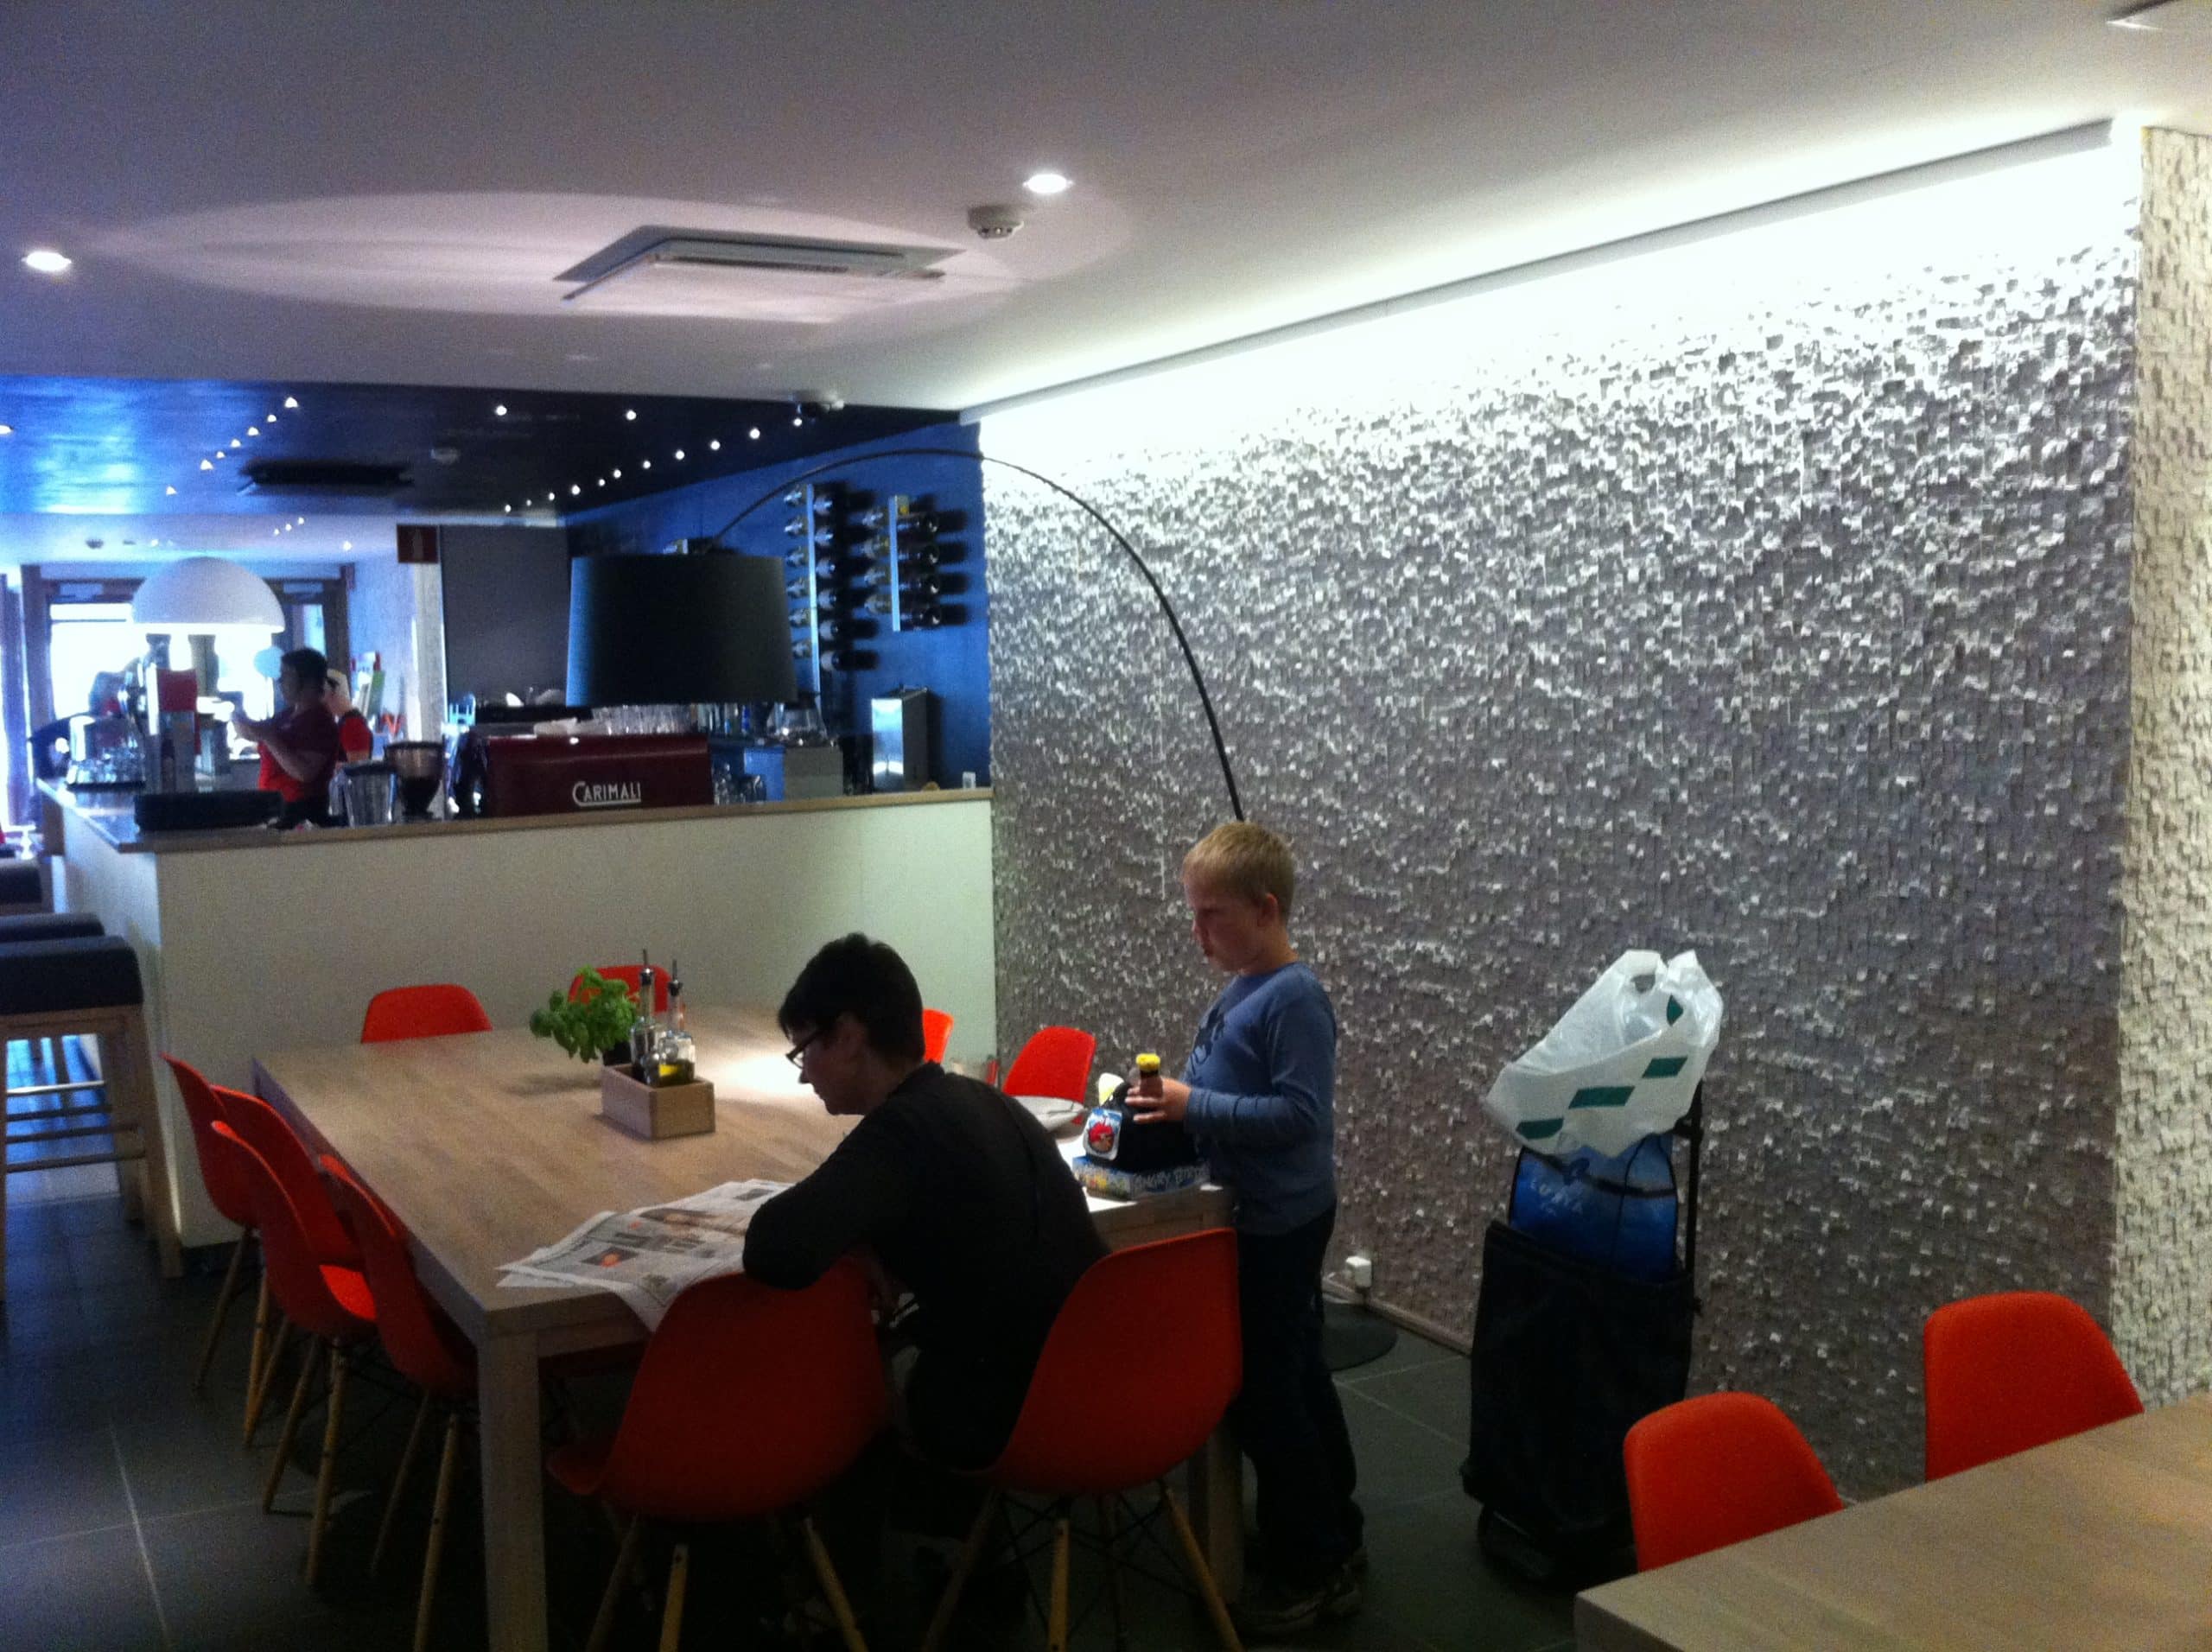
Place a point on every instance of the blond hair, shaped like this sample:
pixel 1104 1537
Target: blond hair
pixel 1245 861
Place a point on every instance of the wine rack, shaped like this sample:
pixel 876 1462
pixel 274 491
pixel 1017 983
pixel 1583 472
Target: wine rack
pixel 905 581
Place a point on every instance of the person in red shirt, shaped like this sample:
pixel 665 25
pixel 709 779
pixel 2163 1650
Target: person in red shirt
pixel 356 740
pixel 299 745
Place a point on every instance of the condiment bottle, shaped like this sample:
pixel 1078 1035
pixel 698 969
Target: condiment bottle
pixel 1146 1085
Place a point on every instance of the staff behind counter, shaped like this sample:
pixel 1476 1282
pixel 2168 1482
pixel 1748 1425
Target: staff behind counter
pixel 300 743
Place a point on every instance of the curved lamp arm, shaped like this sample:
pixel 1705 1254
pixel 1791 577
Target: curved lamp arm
pixel 1213 723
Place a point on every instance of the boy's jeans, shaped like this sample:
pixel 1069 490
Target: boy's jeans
pixel 1288 1419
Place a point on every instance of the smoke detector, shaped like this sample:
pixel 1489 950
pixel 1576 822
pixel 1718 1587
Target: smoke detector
pixel 995 223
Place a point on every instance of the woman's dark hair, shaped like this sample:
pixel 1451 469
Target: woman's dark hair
pixel 307 665
pixel 866 980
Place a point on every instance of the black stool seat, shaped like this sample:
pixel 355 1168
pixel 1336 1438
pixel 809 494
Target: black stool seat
pixel 48 926
pixel 79 972
pixel 20 885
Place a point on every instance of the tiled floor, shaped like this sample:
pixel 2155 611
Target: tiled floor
pixel 130 1512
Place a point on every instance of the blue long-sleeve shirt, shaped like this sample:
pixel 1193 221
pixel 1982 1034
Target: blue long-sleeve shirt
pixel 1262 1075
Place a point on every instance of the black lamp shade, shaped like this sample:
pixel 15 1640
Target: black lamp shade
pixel 678 630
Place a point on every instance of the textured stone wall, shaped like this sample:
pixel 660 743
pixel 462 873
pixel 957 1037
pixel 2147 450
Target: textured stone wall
pixel 2162 1286
pixel 1776 609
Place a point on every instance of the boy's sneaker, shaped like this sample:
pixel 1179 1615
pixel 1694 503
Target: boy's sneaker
pixel 1272 1608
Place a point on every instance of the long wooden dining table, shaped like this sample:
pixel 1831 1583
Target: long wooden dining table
pixel 2103 1540
pixel 489 1145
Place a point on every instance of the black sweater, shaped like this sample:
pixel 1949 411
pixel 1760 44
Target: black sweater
pixel 963 1196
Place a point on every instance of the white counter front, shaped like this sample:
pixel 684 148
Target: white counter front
pixel 264 947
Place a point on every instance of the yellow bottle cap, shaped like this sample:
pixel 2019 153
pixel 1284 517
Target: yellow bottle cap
pixel 1147 1064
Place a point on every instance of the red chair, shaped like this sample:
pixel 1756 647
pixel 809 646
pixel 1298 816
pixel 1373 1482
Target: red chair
pixel 936 1032
pixel 748 1401
pixel 1717 1470
pixel 630 976
pixel 422 1012
pixel 424 1347
pixel 2010 1372
pixel 264 1129
pixel 1056 1062
pixel 329 1303
pixel 228 1191
pixel 1158 1320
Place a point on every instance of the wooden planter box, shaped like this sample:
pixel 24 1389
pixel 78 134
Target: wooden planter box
pixel 655 1111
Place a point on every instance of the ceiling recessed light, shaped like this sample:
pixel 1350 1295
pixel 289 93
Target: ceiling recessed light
pixel 629 412
pixel 345 544
pixel 754 433
pixel 46 260
pixel 207 464
pixel 303 521
pixel 715 445
pixel 506 509
pixel 500 411
pixel 150 543
pixel 573 490
pixel 288 401
pixel 7 430
pixel 234 441
pixel 602 481
pixel 170 492
pixel 617 474
pixel 222 454
pixel 798 419
pixel 644 464
pixel 1047 183
pixel 251 430
pixel 679 455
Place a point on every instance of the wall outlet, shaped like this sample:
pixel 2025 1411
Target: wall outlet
pixel 1359 1272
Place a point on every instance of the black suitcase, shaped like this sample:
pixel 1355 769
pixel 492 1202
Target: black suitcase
pixel 1568 1354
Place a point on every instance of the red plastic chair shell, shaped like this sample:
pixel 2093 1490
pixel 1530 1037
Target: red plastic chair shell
pixel 421 1345
pixel 435 1011
pixel 2009 1372
pixel 227 1188
pixel 936 1032
pixel 1718 1470
pixel 748 1399
pixel 327 1301
pixel 262 1127
pixel 1157 1321
pixel 1056 1062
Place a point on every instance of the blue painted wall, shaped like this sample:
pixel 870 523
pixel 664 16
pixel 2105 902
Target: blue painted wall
pixel 953 661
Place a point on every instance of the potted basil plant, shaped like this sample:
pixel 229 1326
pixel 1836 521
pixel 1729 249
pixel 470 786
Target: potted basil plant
pixel 595 1024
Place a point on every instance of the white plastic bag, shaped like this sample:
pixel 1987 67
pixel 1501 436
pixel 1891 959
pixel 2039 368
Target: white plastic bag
pixel 1622 1064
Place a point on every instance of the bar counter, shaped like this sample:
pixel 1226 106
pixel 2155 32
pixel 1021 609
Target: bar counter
pixel 250 939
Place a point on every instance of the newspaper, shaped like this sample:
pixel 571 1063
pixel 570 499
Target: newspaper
pixel 648 1256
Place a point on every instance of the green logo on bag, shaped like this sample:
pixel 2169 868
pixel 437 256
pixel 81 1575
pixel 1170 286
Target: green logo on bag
pixel 1602 1096
pixel 1666 1066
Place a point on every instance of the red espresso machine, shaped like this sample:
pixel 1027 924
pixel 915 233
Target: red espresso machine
pixel 593 774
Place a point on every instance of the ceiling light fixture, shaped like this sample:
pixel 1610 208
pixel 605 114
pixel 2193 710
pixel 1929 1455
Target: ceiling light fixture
pixel 251 430
pixel 679 455
pixel 288 401
pixel 303 521
pixel 207 464
pixel 644 464
pixel 602 481
pixel 345 544
pixel 205 594
pixel 506 509
pixel 46 260
pixel 618 473
pixel 573 490
pixel 7 430
pixel 754 433
pixel 234 441
pixel 500 411
pixel 629 412
pixel 169 492
pixel 1047 183
pixel 798 419
pixel 715 445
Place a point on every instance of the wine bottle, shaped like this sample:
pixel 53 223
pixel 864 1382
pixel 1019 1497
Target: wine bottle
pixel 912 602
pixel 912 516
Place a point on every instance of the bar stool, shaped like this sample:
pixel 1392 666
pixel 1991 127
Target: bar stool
pixel 49 926
pixel 88 987
pixel 23 887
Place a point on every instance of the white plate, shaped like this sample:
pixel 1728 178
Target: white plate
pixel 1055 1115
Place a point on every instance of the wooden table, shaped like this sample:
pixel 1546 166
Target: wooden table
pixel 489 1145
pixel 2101 1541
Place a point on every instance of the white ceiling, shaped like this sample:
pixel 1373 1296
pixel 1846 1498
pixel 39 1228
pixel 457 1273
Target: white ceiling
pixel 29 537
pixel 385 193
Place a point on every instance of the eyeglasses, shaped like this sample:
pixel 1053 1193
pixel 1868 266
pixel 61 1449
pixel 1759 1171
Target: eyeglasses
pixel 798 1052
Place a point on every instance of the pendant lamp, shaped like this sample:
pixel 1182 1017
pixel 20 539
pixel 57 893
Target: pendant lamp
pixel 203 595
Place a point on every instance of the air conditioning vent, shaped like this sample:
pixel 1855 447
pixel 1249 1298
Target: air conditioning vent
pixel 701 253
pixel 322 478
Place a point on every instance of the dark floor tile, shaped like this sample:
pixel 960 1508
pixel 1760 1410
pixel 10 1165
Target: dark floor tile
pixel 1400 1460
pixel 1410 1350
pixel 185 1455
pixel 87 1593
pixel 60 1484
pixel 1436 1395
pixel 1428 1574
pixel 231 1573
pixel 65 1394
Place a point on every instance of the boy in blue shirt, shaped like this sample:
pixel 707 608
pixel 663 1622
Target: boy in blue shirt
pixel 1257 1095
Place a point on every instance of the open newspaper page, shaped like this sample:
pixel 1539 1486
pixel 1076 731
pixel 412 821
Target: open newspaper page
pixel 648 1256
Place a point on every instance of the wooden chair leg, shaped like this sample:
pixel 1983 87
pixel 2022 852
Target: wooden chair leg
pixel 257 1397
pixel 832 1590
pixel 128 1073
pixel 435 1550
pixel 602 1622
pixel 1109 1531
pixel 222 1311
pixel 260 1342
pixel 671 1616
pixel 291 1430
pixel 970 1552
pixel 399 1483
pixel 1055 1620
pixel 339 1364
pixel 1201 1574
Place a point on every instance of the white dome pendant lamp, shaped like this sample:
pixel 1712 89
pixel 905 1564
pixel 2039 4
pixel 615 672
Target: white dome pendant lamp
pixel 206 596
